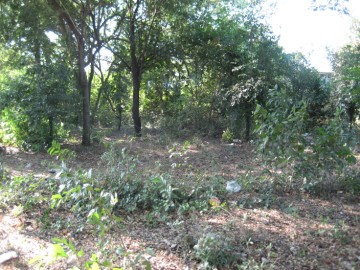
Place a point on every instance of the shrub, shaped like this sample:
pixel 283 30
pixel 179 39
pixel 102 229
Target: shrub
pixel 317 157
pixel 213 252
pixel 121 186
pixel 350 181
pixel 227 136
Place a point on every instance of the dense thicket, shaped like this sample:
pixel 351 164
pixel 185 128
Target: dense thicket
pixel 189 67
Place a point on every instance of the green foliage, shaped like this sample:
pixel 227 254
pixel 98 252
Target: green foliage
pixel 158 193
pixel 345 81
pixel 188 118
pixel 2 171
pixel 252 264
pixel 330 155
pixel 134 262
pixel 120 186
pixel 36 103
pixel 85 196
pixel 280 127
pixel 213 252
pixel 263 197
pixel 26 192
pixel 227 136
pixel 64 249
pixel 9 130
pixel 350 181
pixel 64 155
pixel 317 157
pixel 82 194
pixel 120 177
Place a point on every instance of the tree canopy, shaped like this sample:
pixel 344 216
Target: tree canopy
pixel 190 66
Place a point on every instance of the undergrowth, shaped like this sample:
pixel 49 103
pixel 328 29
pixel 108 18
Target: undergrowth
pixel 315 160
pixel 98 200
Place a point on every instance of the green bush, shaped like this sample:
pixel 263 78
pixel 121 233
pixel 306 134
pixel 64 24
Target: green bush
pixel 26 191
pixel 350 181
pixel 121 186
pixel 28 132
pixel 227 136
pixel 316 157
pixel 213 252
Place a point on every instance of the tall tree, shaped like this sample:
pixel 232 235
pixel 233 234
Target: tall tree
pixel 143 31
pixel 84 25
pixel 346 65
pixel 36 94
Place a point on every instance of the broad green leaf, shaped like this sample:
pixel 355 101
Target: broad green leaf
pixel 59 240
pixel 81 253
pixel 56 197
pixel 95 266
pixel 59 251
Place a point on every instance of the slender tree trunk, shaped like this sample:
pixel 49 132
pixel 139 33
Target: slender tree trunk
pixel 136 101
pixel 136 78
pixel 248 114
pixel 97 104
pixel 351 109
pixel 85 95
pixel 80 33
pixel 119 115
pixel 51 130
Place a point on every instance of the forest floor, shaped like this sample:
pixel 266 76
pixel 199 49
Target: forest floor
pixel 295 231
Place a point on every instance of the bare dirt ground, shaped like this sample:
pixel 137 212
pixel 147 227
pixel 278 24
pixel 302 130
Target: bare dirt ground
pixel 296 232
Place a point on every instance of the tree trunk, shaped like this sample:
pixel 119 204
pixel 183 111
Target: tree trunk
pixel 80 34
pixel 351 109
pixel 119 116
pixel 97 104
pixel 85 95
pixel 136 101
pixel 136 79
pixel 248 113
pixel 51 130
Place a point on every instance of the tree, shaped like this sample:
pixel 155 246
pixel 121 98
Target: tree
pixel 335 5
pixel 81 24
pixel 346 92
pixel 34 97
pixel 139 45
pixel 144 28
pixel 251 64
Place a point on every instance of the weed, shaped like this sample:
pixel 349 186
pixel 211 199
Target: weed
pixel 63 248
pixel 45 219
pixel 17 210
pixel 62 154
pixel 350 181
pixel 317 158
pixel 324 219
pixel 252 264
pixel 27 191
pixel 2 171
pixel 213 252
pixel 339 233
pixel 227 136
pixel 291 210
